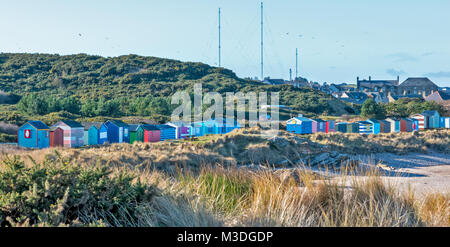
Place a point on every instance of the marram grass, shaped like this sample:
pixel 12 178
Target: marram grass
pixel 60 192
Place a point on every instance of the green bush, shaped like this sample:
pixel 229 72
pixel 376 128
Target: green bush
pixel 58 192
pixel 371 109
pixel 407 107
pixel 7 138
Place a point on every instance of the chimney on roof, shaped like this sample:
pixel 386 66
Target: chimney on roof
pixel 357 82
pixel 370 78
pixel 398 78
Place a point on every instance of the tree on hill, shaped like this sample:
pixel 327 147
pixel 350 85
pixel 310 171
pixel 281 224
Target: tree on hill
pixel 371 109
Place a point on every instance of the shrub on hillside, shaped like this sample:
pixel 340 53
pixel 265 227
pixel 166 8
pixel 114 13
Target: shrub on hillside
pixel 58 192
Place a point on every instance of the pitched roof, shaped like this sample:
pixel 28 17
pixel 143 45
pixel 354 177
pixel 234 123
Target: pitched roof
pixel 397 97
pixel 356 95
pixel 302 119
pixel 165 126
pixel 364 122
pixel 88 125
pixel 149 127
pixel 134 127
pixel 38 125
pixel 119 123
pixel 374 83
pixel 71 123
pixel 318 120
pixel 393 119
pixel 418 82
pixel 444 95
pixel 429 113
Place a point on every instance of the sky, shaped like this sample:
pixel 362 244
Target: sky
pixel 337 40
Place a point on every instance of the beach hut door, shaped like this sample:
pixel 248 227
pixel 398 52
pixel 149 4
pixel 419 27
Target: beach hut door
pixel 120 134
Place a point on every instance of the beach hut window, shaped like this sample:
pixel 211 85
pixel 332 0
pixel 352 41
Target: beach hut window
pixel 27 134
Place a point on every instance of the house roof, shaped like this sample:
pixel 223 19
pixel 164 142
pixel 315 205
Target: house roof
pixel 374 83
pixel 355 97
pixel 418 82
pixel 71 123
pixel 443 95
pixel 274 81
pixel 38 125
pixel 88 125
pixel 397 97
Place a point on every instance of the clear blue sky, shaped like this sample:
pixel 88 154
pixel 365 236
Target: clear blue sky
pixel 338 40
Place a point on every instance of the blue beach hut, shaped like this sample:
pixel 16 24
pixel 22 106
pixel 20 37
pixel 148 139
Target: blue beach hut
pixel 34 134
pixel 376 128
pixel 118 131
pixel 299 125
pixel 167 132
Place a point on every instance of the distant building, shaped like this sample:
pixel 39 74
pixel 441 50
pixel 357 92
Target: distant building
pixel 417 86
pixel 392 98
pixel 383 86
pixel 439 96
pixel 378 97
pixel 270 81
pixel 354 97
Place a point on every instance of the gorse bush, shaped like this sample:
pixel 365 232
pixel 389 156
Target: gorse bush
pixel 407 107
pixel 59 192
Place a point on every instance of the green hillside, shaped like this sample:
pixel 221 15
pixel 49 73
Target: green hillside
pixel 51 87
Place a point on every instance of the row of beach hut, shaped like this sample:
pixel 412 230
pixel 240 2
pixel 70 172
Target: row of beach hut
pixel 425 120
pixel 68 133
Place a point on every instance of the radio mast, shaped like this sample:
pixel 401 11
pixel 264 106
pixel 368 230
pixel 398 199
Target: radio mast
pixel 220 51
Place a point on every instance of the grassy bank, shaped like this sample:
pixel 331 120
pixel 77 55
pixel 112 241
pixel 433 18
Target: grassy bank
pixel 58 191
pixel 422 142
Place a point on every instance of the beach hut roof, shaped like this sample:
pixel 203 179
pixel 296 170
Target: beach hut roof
pixel 134 127
pixel 318 120
pixel 88 125
pixel 373 120
pixel 364 122
pixel 71 123
pixel 393 119
pixel 119 123
pixel 301 119
pixel 149 127
pixel 38 125
pixel 429 113
pixel 164 126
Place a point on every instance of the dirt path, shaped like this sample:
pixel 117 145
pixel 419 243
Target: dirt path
pixel 423 172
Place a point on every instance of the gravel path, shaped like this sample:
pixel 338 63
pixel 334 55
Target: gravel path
pixel 423 172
